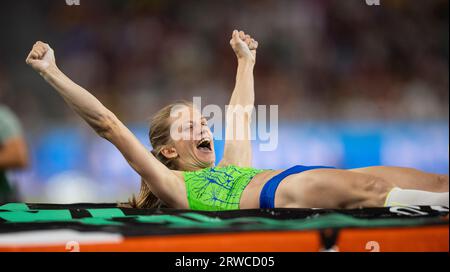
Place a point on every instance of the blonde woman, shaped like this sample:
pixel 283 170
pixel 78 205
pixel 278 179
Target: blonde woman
pixel 181 173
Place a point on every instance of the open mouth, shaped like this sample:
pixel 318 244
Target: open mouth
pixel 204 145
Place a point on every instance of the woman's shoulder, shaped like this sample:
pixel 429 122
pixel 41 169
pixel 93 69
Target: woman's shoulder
pixel 178 173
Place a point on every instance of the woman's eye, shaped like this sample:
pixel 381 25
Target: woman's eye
pixel 189 127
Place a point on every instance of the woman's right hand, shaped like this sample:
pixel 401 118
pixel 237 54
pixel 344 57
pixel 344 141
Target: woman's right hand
pixel 41 57
pixel 244 46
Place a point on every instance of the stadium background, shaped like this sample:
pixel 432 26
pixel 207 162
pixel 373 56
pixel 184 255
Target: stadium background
pixel 356 85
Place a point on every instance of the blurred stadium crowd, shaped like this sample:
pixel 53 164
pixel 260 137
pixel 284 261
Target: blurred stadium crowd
pixel 318 60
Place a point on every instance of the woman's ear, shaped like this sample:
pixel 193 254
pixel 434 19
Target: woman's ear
pixel 169 152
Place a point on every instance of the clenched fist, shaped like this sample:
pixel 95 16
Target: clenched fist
pixel 41 57
pixel 244 46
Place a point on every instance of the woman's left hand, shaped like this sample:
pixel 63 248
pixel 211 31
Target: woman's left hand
pixel 244 46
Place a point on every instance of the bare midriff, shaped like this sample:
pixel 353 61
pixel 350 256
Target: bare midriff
pixel 250 196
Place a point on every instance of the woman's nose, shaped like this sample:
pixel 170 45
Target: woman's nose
pixel 205 132
pixel 199 133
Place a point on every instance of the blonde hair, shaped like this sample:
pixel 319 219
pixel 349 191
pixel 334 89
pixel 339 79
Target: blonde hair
pixel 159 136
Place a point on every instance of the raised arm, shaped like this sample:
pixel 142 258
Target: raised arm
pixel 238 150
pixel 162 181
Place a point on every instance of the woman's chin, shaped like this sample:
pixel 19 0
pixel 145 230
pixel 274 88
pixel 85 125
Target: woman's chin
pixel 206 157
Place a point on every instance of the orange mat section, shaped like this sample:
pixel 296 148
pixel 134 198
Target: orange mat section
pixel 435 238
pixel 423 239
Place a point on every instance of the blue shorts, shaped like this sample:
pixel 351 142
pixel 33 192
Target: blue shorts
pixel 267 197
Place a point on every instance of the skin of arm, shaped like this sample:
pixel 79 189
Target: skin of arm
pixel 238 149
pixel 13 154
pixel 162 181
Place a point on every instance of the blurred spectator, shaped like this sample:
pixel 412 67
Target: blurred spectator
pixel 13 152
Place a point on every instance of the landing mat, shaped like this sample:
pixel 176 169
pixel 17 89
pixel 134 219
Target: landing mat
pixel 105 227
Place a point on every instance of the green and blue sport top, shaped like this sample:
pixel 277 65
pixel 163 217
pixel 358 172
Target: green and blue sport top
pixel 217 188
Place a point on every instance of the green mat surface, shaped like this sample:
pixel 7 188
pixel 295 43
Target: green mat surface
pixel 109 218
